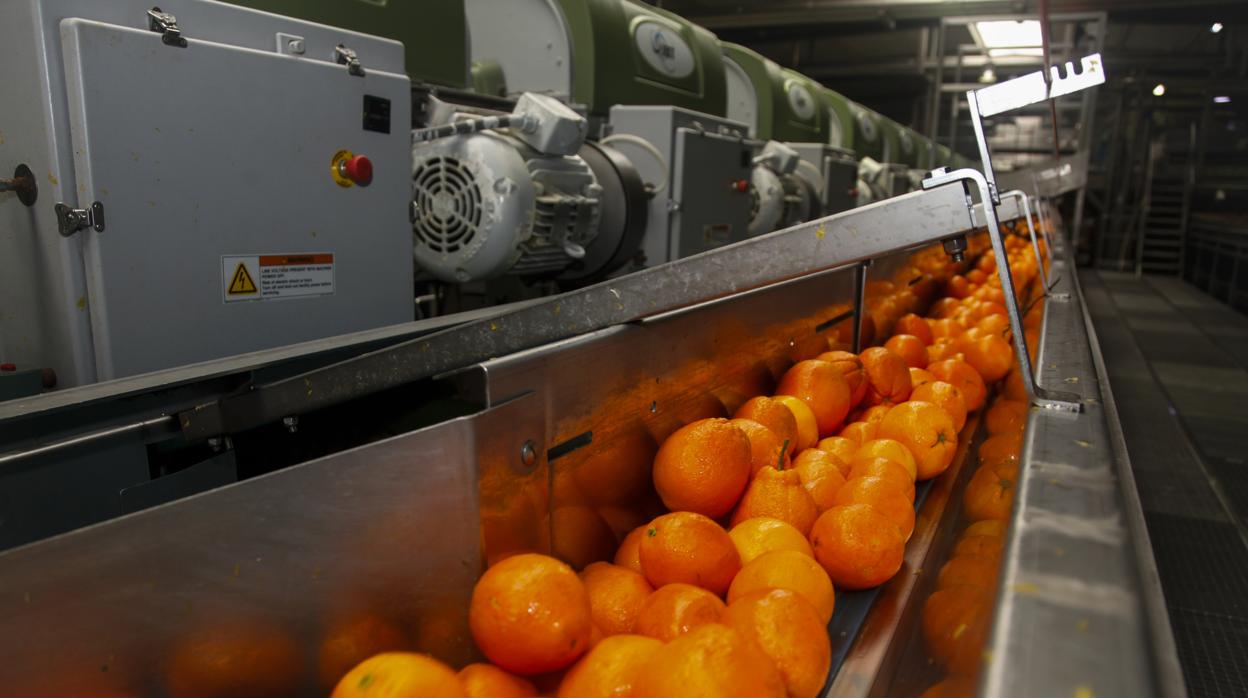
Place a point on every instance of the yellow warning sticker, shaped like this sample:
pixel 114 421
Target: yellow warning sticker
pixel 241 284
pixel 263 277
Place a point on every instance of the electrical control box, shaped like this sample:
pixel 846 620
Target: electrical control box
pixel 838 172
pixel 212 180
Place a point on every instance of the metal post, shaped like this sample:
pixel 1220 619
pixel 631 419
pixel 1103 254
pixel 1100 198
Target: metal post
pixel 1031 231
pixel 860 301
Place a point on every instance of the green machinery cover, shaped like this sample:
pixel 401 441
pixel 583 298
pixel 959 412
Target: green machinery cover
pixel 840 119
pixel 785 102
pixel 944 156
pixel 434 33
pixel 868 135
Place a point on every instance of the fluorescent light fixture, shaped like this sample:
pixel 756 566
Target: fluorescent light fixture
pixel 988 76
pixel 1005 38
pixel 1007 52
pixel 1159 90
pixel 1216 27
pixel 1222 99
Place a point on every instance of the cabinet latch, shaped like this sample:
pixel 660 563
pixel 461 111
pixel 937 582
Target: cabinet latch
pixel 70 220
pixel 346 56
pixel 166 25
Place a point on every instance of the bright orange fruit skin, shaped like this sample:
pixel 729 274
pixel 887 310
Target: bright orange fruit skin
pixel 787 569
pixel 858 547
pixel 911 349
pixel 766 449
pixel 610 669
pixel 890 470
pixel 822 474
pixel 883 495
pixel 711 661
pixel 615 596
pixel 914 325
pixel 946 397
pixel 675 609
pixel 757 536
pixel 1006 417
pixel 628 555
pixel 888 377
pixel 927 431
pixel 488 681
pixel 772 414
pixel 703 467
pixel 963 377
pixel 822 387
pixel 807 425
pixel 691 549
pixel 778 494
pixel 350 640
pixel 790 632
pixel 399 675
pixel 851 368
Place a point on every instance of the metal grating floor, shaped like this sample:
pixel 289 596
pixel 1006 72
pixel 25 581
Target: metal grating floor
pixel 1178 365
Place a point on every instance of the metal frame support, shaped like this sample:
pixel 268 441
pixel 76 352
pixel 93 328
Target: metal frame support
pixel 1031 231
pixel 860 301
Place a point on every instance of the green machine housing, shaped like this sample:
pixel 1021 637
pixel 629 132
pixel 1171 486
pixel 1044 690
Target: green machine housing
pixel 777 104
pixel 840 119
pixel 599 53
pixel 433 32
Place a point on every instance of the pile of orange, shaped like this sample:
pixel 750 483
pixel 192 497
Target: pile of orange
pixel 800 494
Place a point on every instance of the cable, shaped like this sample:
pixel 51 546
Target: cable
pixel 646 146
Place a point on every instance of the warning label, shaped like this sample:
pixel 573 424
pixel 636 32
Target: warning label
pixel 274 276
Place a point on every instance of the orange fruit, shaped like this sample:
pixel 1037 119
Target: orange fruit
pixel 873 414
pixel 675 609
pixel 927 431
pixel 766 449
pixel 236 657
pixel 955 627
pixel 788 629
pixel 777 494
pixel 1001 448
pixel 807 426
pixel 998 325
pixel 703 467
pixel 882 495
pixel 980 546
pixel 962 376
pixel 946 397
pixel 689 548
pixel 787 569
pixel 711 661
pixel 946 328
pixel 919 376
pixel 943 308
pixel 772 414
pixel 530 614
pixel 628 555
pixel 397 675
pixel 969 570
pixel 851 369
pixel 754 537
pixel 952 687
pixel 822 387
pixel 985 528
pixel 610 669
pixel 942 349
pixel 990 493
pixel 860 432
pixel 976 276
pixel 990 355
pixel 858 546
pixel 958 287
pixel 911 349
pixel 891 449
pixel 615 596
pixel 1006 417
pixel 822 474
pixel 1013 388
pixel 914 325
pixel 842 447
pixel 352 639
pixel 886 469
pixel 888 377
pixel 579 535
pixel 488 681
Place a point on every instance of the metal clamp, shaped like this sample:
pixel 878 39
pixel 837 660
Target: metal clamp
pixel 166 25
pixel 70 220
pixel 348 57
pixel 1041 397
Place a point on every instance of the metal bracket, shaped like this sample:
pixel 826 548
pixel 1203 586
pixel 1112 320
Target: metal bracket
pixel 348 57
pixel 860 301
pixel 1066 402
pixel 70 220
pixel 1031 230
pixel 166 25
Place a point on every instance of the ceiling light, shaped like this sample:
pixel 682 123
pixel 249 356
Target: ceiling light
pixel 1222 99
pixel 1216 27
pixel 1004 38
pixel 1159 90
pixel 1007 52
pixel 988 76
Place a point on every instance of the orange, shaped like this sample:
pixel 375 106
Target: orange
pixel 397 675
pixel 689 548
pixel 615 596
pixel 946 397
pixel 772 414
pixel 942 349
pixel 882 495
pixel 962 376
pixel 987 262
pixel 787 569
pixel 1006 416
pixel 488 681
pixel 860 432
pixel 851 369
pixel 350 640
pixel 952 687
pixel 842 447
pixel 946 328
pixel 955 627
pixel 822 387
pixel 765 447
pixel 985 528
pixel 822 474
pixel 754 537
pixel 874 414
pixel 675 609
pixel 886 469
pixel 891 449
pixel 969 570
pixel 610 669
pixel 943 308
pixel 628 555
pixel 857 546
pixel 998 325
pixel 1001 448
pixel 919 376
pixel 788 629
pixel 807 425
pixel 927 431
pixel 914 325
pixel 911 349
pixel 530 614
pixel 1013 389
pixel 703 467
pixel 958 287
pixel 712 661
pixel 990 355
pixel 777 494
pixel 976 276
pixel 980 546
pixel 990 493
pixel 888 377
pixel 579 535
pixel 236 657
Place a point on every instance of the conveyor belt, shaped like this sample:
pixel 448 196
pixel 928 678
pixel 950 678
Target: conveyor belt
pixel 1178 364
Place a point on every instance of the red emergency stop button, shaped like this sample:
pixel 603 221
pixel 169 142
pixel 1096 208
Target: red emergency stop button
pixel 741 185
pixel 8 368
pixel 358 169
